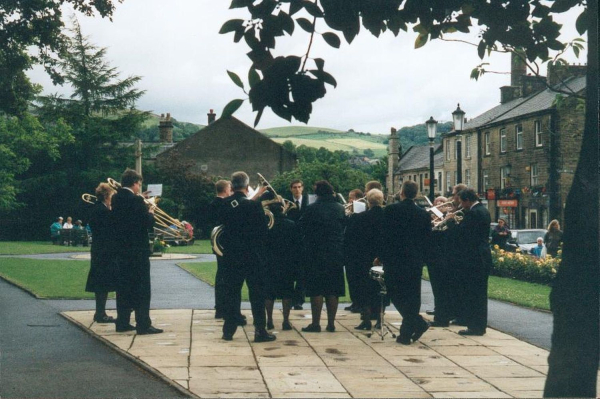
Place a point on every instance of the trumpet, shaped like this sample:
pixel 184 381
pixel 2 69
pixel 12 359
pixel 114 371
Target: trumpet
pixel 444 224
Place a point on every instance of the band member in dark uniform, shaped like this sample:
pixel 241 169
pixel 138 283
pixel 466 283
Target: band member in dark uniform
pixel 102 277
pixel 476 262
pixel 440 274
pixel 406 231
pixel 454 256
pixel 133 219
pixel 283 249
pixel 322 227
pixel 300 199
pixel 352 252
pixel 244 237
pixel 223 189
pixel 370 224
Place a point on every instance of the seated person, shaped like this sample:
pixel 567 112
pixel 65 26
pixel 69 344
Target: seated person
pixel 78 225
pixel 69 223
pixel 55 230
pixel 538 250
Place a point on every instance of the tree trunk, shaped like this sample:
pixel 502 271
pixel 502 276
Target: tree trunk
pixel 574 357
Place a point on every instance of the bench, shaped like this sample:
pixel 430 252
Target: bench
pixel 74 237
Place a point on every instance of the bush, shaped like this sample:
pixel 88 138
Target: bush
pixel 524 267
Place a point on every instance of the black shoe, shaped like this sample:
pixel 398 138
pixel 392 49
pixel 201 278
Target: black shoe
pixel 365 325
pixel 378 325
pixel 330 328
pixel 311 328
pixel 436 323
pixel 419 331
pixel 430 312
pixel 286 326
pixel 105 319
pixel 349 308
pixel 298 307
pixel 241 322
pixel 355 309
pixel 270 326
pixel 263 336
pixel 149 330
pixel 241 316
pixel 228 337
pixel 468 331
pixel 403 339
pixel 458 322
pixel 126 328
pixel 218 315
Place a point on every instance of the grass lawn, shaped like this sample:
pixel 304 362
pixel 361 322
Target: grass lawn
pixel 46 247
pixel 56 279
pixel 206 271
pixel 529 295
pixel 36 247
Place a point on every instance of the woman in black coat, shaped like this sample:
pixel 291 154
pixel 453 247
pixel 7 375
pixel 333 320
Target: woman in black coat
pixel 322 227
pixel 102 276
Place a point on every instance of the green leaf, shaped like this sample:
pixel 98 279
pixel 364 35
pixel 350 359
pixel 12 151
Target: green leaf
pixel 312 9
pixel 320 62
pixel 305 24
pixel 231 107
pixel 582 22
pixel 287 23
pixel 258 116
pixel 576 51
pixel 421 40
pixel 420 29
pixel 332 39
pixel 236 79
pixel 295 6
pixel 481 49
pixel 240 3
pixel 231 26
pixel 253 77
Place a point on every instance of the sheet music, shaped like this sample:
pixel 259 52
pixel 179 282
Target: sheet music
pixel 359 206
pixel 437 212
pixel 154 190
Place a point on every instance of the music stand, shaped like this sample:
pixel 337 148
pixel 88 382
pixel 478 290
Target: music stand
pixel 376 273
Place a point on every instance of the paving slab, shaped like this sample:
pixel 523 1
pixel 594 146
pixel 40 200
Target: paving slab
pixel 347 363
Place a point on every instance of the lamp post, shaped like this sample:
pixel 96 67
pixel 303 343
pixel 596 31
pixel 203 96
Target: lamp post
pixel 458 117
pixel 431 131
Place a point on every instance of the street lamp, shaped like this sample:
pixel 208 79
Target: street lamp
pixel 431 131
pixel 458 117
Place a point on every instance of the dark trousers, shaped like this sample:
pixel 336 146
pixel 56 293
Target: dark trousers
pixel 442 284
pixel 353 275
pixel 474 297
pixel 404 288
pixel 235 272
pixel 133 290
pixel 219 287
pixel 299 296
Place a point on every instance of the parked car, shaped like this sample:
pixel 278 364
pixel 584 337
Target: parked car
pixel 492 227
pixel 524 239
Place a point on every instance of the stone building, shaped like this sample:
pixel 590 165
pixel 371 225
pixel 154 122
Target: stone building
pixel 414 165
pixel 228 145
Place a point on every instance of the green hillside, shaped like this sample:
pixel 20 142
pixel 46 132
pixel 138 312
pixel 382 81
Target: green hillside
pixel 287 131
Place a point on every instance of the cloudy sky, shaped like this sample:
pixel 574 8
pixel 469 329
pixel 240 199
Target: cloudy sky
pixel 176 48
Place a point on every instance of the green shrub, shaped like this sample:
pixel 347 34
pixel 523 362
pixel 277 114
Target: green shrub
pixel 524 267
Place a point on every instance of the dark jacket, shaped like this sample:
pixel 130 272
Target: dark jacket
pixel 473 238
pixel 132 222
pixel 322 228
pixel 406 235
pixel 245 227
pixel 215 208
pixel 103 225
pixel 295 214
pixel 102 276
pixel 363 238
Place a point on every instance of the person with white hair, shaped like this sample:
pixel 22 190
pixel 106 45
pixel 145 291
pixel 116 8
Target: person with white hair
pixel 539 250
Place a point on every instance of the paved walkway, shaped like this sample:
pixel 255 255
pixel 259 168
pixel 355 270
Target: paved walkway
pixel 346 363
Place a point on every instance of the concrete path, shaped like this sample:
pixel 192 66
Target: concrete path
pixel 346 363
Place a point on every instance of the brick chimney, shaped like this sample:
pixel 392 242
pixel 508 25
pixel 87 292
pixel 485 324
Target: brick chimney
pixel 211 117
pixel 165 128
pixel 532 84
pixel 558 73
pixel 518 70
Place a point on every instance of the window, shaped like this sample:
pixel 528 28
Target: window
pixel 505 176
pixel 447 150
pixel 468 146
pixel 534 174
pixel 455 149
pixel 439 181
pixel 448 181
pixel 538 133
pixel 486 178
pixel 468 177
pixel 488 145
pixel 421 182
pixel 414 177
pixel 519 136
pixel 502 140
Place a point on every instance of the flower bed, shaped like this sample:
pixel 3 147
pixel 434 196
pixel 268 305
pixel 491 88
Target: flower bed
pixel 524 267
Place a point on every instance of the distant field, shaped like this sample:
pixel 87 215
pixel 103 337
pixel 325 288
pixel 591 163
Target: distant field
pixel 315 144
pixel 296 131
pixel 358 143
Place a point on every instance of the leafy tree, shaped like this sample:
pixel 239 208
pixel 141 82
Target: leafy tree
pixel 289 85
pixel 26 26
